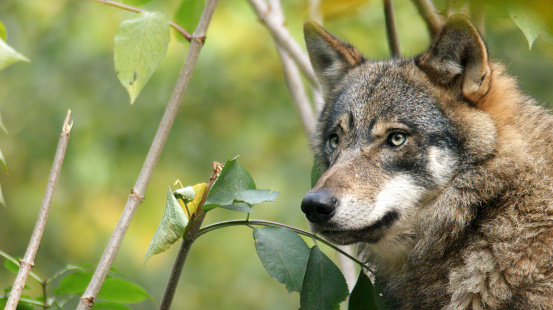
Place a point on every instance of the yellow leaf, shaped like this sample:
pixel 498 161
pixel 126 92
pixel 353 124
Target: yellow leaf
pixel 192 207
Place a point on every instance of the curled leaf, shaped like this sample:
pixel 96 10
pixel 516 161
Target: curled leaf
pixel 170 229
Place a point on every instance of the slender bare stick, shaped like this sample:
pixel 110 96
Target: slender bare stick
pixel 293 78
pixel 178 28
pixel 187 242
pixel 391 30
pixel 430 16
pixel 285 40
pixel 315 12
pixel 137 193
pixel 29 260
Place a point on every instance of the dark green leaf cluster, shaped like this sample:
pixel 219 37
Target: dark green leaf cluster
pixel 321 285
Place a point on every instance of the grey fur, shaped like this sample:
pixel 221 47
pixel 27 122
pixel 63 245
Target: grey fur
pixel 460 214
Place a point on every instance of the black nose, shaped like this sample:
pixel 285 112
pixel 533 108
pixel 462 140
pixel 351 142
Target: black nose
pixel 318 206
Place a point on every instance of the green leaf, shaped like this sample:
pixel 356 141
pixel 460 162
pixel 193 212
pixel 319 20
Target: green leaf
pixel 233 177
pixel 9 56
pixel 364 295
pixel 74 283
pixel 530 25
pixel 109 306
pixel 315 171
pixel 188 15
pixel 235 189
pixel 239 207
pixel 251 196
pixel 11 266
pixel 324 286
pixel 22 305
pixel 284 255
pixel 140 45
pixel 3 32
pixel 113 289
pixel 170 229
pixel 122 291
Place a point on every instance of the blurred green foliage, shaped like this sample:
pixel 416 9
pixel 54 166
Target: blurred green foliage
pixel 236 104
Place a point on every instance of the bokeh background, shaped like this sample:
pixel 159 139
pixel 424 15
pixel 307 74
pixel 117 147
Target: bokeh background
pixel 236 104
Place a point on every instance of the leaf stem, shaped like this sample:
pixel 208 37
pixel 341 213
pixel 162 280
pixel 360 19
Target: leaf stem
pixel 122 6
pixel 28 260
pixel 249 222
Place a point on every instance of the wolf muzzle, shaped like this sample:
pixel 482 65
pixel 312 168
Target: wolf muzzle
pixel 319 206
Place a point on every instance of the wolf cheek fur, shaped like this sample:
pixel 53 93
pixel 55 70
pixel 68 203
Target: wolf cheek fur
pixel 439 170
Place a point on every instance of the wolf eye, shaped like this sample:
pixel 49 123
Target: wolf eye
pixel 333 142
pixel 396 139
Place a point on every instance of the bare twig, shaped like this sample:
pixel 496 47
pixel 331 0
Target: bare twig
pixel 29 260
pixel 178 28
pixel 284 40
pixel 430 16
pixel 187 242
pixel 293 78
pixel 391 30
pixel 137 193
pixel 315 12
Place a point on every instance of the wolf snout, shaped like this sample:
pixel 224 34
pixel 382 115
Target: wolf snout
pixel 319 206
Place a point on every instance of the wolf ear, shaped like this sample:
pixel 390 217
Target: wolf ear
pixel 330 57
pixel 459 52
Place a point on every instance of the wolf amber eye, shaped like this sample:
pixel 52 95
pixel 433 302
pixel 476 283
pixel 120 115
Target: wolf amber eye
pixel 333 142
pixel 396 139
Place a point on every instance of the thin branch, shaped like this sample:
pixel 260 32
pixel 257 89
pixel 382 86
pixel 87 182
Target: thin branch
pixel 137 193
pixel 178 28
pixel 391 30
pixel 187 242
pixel 28 260
pixel 284 39
pixel 315 12
pixel 299 231
pixel 430 16
pixel 293 78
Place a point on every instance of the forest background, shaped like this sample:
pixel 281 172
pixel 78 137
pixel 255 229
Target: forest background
pixel 237 104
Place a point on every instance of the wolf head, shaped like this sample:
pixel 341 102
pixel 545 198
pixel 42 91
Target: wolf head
pixel 394 134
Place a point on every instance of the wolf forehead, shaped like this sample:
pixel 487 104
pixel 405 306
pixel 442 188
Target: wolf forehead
pixel 385 91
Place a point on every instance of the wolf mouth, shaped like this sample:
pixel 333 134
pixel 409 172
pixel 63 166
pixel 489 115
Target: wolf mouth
pixel 371 234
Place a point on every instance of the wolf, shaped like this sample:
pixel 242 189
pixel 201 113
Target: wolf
pixel 440 171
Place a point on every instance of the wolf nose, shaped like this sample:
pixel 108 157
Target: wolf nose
pixel 318 206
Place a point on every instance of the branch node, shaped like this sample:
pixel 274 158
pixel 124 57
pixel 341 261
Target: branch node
pixel 22 262
pixel 199 39
pixel 89 301
pixel 134 193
